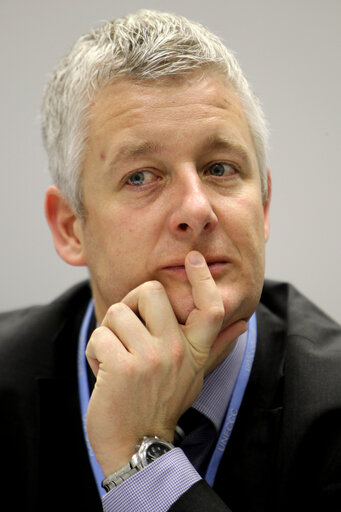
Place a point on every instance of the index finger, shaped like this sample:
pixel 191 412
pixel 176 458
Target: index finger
pixel 204 322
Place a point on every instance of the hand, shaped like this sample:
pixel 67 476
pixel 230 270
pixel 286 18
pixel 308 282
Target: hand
pixel 150 369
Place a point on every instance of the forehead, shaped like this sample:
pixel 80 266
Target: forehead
pixel 122 95
pixel 144 113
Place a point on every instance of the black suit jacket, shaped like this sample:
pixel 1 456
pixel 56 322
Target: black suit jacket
pixel 285 450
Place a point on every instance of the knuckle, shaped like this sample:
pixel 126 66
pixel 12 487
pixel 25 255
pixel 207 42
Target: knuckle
pixel 128 368
pixel 153 359
pixel 115 309
pixel 204 276
pixel 216 312
pixel 151 286
pixel 177 353
pixel 98 334
pixel 99 343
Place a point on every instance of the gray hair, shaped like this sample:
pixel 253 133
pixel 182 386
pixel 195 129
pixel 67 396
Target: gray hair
pixel 145 46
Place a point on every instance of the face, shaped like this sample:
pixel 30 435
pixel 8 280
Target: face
pixel 169 168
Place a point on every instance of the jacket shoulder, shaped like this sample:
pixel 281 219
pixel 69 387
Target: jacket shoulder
pixel 297 313
pixel 311 352
pixel 23 330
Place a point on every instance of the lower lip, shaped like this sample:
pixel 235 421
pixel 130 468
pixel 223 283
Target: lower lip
pixel 215 268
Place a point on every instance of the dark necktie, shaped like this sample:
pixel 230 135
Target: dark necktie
pixel 200 439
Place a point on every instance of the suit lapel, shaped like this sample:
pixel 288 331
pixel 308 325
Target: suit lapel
pixel 246 474
pixel 62 450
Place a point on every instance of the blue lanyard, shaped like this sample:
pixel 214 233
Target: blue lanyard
pixel 235 402
pixel 84 393
pixel 230 417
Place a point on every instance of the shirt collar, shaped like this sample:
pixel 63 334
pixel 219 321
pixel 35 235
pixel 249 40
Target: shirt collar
pixel 219 384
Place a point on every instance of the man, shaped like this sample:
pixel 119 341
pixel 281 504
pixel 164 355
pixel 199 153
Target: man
pixel 158 151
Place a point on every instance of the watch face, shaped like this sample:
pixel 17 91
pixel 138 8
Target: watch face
pixel 155 450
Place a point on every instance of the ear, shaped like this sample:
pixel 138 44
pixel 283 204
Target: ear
pixel 65 226
pixel 267 208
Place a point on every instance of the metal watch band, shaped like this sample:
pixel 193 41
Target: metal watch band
pixel 119 476
pixel 139 460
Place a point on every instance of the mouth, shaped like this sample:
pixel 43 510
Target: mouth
pixel 216 267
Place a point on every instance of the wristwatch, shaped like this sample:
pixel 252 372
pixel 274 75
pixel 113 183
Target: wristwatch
pixel 150 449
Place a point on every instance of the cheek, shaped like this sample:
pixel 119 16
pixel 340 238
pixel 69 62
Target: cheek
pixel 247 235
pixel 119 246
pixel 241 292
pixel 253 245
pixel 117 228
pixel 244 222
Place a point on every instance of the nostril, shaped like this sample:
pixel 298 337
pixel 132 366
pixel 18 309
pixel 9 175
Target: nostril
pixel 183 226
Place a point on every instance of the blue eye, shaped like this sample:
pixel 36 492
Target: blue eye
pixel 140 178
pixel 137 178
pixel 220 169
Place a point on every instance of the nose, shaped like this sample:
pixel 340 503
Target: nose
pixel 192 212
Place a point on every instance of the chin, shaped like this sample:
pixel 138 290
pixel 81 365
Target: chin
pixel 240 302
pixel 182 306
pixel 240 305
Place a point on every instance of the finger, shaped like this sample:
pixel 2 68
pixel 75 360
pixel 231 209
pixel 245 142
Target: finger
pixel 204 322
pixel 103 347
pixel 204 289
pixel 128 328
pixel 151 302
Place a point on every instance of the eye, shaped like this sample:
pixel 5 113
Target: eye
pixel 141 178
pixel 220 169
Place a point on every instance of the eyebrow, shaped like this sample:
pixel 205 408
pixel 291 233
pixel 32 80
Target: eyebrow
pixel 132 151
pixel 229 144
pixel 145 148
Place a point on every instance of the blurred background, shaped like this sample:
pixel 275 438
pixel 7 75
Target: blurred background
pixel 291 53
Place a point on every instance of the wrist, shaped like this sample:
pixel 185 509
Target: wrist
pixel 150 449
pixel 114 459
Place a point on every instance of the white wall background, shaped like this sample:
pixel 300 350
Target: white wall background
pixel 291 53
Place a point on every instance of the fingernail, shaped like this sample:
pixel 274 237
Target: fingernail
pixel 196 259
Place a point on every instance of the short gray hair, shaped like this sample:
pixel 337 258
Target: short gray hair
pixel 147 45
